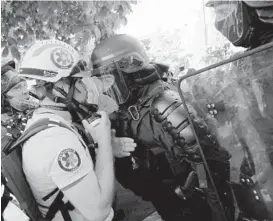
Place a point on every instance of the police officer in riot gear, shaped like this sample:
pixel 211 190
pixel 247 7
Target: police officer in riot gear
pixel 249 24
pixel 165 167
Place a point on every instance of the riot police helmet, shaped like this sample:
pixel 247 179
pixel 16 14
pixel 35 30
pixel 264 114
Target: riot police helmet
pixel 122 56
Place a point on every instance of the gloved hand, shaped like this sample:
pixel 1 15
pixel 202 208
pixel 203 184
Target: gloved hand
pixel 122 146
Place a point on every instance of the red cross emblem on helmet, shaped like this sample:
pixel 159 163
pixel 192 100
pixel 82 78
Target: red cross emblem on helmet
pixel 62 58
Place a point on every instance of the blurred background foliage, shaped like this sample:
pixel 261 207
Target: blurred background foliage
pixel 79 23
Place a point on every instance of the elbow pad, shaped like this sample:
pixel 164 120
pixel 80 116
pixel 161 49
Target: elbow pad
pixel 168 110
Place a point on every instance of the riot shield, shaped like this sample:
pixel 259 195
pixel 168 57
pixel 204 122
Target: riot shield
pixel 235 100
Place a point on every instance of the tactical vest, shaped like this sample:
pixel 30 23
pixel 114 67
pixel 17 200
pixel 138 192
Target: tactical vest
pixel 136 122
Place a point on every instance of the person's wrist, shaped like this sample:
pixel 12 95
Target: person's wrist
pixel 106 142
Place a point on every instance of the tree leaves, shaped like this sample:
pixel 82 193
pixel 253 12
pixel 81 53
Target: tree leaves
pixel 86 37
pixel 29 30
pixel 12 41
pixel 117 23
pixel 120 10
pixel 25 21
pixel 217 53
pixel 76 29
pixel 15 53
pixel 124 20
pixel 43 7
pixel 102 14
pixel 96 32
pixel 5 52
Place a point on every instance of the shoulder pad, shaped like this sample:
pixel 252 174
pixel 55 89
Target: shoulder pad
pixel 168 110
pixel 164 104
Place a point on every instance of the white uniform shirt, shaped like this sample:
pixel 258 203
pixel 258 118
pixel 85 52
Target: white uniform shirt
pixel 54 158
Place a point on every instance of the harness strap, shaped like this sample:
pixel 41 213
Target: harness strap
pixel 37 127
pixel 6 198
pixel 68 100
pixel 73 109
pixel 57 205
pixel 87 138
pixel 45 198
pixel 6 142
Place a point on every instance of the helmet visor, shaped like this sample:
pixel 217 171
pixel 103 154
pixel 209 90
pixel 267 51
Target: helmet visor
pixel 229 19
pixel 131 63
pixel 119 90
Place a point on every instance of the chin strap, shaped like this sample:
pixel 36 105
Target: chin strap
pixel 77 110
pixel 73 109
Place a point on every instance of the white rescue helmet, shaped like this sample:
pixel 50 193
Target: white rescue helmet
pixel 49 60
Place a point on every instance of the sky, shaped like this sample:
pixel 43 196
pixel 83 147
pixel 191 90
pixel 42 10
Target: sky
pixel 150 15
pixel 190 18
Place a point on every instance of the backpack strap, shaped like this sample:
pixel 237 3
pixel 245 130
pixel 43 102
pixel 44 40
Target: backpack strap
pixel 6 197
pixel 35 128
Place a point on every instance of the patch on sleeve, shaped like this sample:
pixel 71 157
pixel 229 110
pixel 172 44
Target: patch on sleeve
pixel 69 160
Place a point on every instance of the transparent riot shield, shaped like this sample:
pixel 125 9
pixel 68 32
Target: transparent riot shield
pixel 235 100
